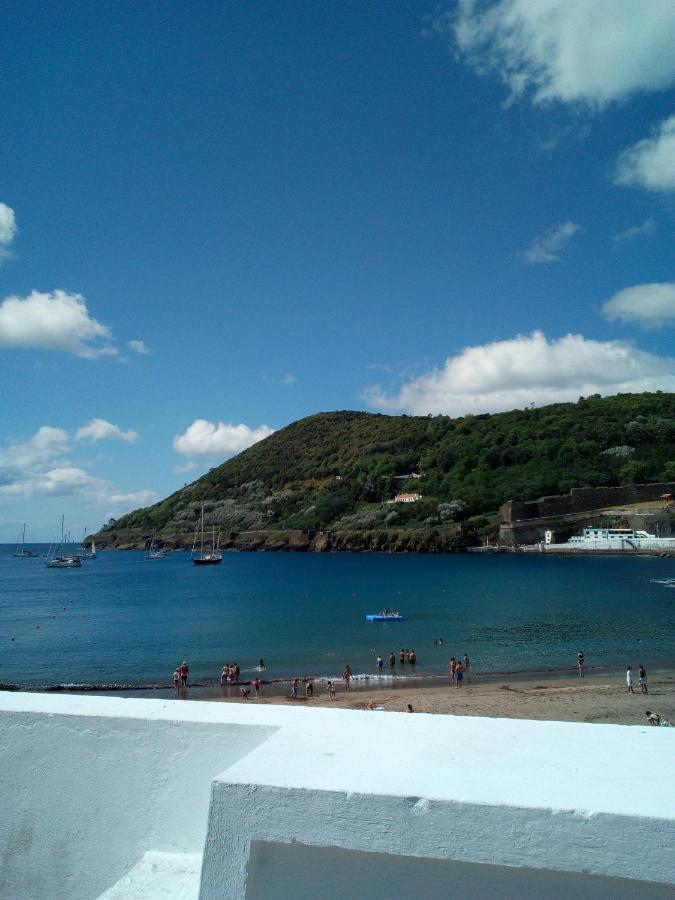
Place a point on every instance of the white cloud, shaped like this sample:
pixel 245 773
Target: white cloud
pixel 131 499
pixel 67 481
pixel 46 444
pixel 56 321
pixel 204 438
pixel 651 162
pixel 589 51
pixel 138 347
pixel 188 467
pixel 289 378
pixel 38 467
pixel 548 246
pixel 101 430
pixel 651 305
pixel 7 229
pixel 529 369
pixel 647 227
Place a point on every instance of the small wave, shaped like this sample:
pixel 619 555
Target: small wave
pixel 666 582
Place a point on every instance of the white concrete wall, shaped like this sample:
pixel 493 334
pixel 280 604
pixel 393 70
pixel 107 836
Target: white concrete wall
pixel 83 796
pixel 90 785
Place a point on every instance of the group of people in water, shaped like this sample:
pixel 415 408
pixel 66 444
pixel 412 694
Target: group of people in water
pixel 405 656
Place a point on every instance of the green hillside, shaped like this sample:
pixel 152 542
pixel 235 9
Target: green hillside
pixel 332 471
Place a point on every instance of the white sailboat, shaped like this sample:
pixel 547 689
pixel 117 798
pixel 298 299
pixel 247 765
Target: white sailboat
pixel 21 551
pixel 86 552
pixel 205 559
pixel 57 558
pixel 154 552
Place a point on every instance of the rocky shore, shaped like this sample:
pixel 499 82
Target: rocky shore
pixel 408 541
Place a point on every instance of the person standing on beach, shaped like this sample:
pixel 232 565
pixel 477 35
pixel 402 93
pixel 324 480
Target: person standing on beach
pixel 294 688
pixel 459 675
pixel 629 680
pixel 412 659
pixel 261 664
pixel 581 659
pixel 452 665
pixel 184 671
pixel 380 662
pixel 256 687
pixel 347 676
pixel 331 690
pixel 643 680
pixel 392 660
pixel 176 680
pixel 309 689
pixel 467 663
pixel 223 674
pixel 402 656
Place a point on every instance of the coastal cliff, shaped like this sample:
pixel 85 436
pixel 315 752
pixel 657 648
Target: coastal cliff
pixel 362 481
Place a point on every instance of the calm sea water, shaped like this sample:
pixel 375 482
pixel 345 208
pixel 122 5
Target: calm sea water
pixel 122 618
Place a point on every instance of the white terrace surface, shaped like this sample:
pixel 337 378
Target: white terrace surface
pixel 126 798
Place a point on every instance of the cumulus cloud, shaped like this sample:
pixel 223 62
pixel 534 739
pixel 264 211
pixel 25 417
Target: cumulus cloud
pixel 7 229
pixel 39 467
pixel 53 321
pixel 186 467
pixel 138 347
pixel 529 369
pixel 46 444
pixel 651 162
pixel 650 305
pixel 547 247
pixel 589 51
pixel 204 438
pixel 101 430
pixel 647 227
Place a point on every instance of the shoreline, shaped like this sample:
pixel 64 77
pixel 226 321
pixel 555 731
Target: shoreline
pixel 598 700
pixel 599 697
pixel 210 687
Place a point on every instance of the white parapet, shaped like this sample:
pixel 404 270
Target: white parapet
pixel 93 787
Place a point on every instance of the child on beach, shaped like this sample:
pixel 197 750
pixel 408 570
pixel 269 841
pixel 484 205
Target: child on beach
pixel 223 674
pixel 256 687
pixel 294 688
pixel 459 675
pixel 642 681
pixel 309 689
pixel 176 680
pixel 347 675
pixel 244 693
pixel 581 659
pixel 452 665
pixel 331 690
pixel 629 680
pixel 380 662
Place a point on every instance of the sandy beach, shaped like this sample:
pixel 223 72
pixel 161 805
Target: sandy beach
pixel 601 699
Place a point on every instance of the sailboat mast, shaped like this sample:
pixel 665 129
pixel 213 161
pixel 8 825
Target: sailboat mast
pixel 202 534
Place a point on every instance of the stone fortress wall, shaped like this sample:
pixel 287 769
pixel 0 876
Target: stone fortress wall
pixel 525 522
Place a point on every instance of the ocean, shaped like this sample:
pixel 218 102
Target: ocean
pixel 126 620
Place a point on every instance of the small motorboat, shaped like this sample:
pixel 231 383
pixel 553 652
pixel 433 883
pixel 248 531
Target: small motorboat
pixel 385 616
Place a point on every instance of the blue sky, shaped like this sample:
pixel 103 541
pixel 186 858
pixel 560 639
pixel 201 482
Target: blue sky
pixel 217 218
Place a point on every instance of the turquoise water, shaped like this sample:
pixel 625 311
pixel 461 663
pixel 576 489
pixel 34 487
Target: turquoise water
pixel 121 618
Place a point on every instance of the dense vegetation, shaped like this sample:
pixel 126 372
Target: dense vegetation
pixel 334 470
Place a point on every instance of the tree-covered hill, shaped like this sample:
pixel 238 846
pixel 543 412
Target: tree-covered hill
pixel 333 471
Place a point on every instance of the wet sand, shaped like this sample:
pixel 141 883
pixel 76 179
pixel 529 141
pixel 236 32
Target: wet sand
pixel 601 699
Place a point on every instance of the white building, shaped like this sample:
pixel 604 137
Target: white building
pixel 126 799
pixel 413 497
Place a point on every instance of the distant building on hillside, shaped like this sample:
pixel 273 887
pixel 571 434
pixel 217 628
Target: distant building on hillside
pixel 409 477
pixel 407 498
